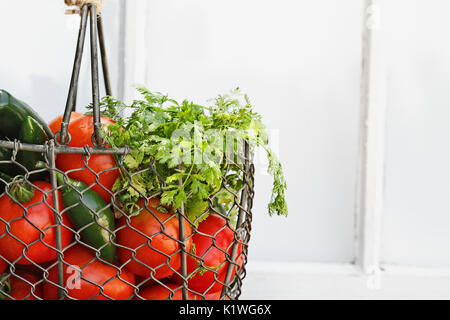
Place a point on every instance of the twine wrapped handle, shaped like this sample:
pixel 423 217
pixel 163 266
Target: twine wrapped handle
pixel 80 3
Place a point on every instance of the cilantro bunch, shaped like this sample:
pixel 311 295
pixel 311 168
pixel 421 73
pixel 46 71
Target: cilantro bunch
pixel 187 153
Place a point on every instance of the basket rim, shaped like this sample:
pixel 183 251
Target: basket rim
pixel 62 149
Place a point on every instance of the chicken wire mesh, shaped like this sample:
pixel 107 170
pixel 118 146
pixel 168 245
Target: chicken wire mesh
pixel 26 236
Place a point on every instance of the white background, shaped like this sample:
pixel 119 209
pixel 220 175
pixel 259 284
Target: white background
pixel 300 63
pixel 417 220
pixel 308 97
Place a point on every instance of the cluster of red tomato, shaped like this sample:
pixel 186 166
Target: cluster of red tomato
pixel 148 249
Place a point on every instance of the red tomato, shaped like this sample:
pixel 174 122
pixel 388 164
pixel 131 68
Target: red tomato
pixel 25 286
pixel 160 292
pixel 31 235
pixel 214 296
pixel 55 124
pixel 156 291
pixel 158 249
pixel 213 254
pixel 84 275
pixel 3 265
pixel 81 131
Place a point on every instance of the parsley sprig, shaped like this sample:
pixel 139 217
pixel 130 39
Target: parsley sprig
pixel 188 152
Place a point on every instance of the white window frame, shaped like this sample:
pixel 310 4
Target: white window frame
pixel 366 277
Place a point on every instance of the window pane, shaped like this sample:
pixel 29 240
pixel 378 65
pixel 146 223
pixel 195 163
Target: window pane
pixel 299 61
pixel 417 219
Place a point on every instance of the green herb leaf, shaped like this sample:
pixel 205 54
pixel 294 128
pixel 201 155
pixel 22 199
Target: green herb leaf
pixel 186 152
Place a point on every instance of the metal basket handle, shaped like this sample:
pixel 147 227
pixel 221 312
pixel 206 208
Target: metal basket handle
pixel 96 31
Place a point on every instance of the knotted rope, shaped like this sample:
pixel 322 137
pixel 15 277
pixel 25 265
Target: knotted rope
pixel 78 4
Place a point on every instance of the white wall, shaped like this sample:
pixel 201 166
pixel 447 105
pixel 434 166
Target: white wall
pixel 299 61
pixel 416 219
pixel 38 48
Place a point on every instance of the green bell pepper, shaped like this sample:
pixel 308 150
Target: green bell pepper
pixel 19 121
pixel 12 114
pixel 31 132
pixel 7 167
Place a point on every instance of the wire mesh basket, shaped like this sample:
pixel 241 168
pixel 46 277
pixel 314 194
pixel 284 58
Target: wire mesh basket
pixel 45 254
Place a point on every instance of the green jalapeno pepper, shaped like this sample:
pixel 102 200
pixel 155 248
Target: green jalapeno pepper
pixel 89 213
